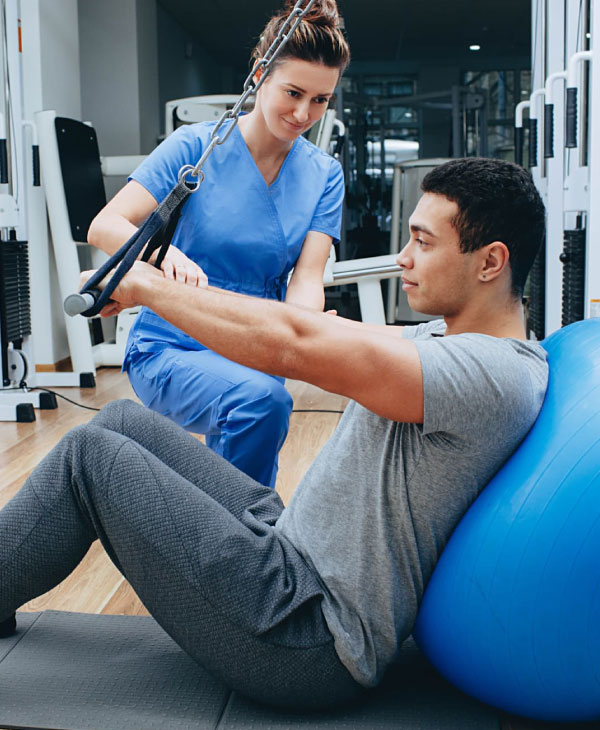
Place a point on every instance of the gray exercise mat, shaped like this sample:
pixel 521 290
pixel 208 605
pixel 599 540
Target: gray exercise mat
pixel 75 671
pixel 70 671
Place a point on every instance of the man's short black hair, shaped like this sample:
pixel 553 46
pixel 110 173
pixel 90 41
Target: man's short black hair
pixel 497 201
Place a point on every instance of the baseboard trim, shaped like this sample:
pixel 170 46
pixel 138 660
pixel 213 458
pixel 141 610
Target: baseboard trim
pixel 61 366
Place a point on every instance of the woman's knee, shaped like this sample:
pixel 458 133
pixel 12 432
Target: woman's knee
pixel 267 399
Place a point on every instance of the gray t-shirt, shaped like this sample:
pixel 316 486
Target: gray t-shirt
pixel 380 501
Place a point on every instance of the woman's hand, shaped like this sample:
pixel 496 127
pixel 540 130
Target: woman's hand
pixel 177 266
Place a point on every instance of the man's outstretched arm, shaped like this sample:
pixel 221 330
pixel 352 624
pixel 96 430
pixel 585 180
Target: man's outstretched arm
pixel 382 372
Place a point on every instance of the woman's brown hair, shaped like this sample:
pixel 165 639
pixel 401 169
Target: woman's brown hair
pixel 319 37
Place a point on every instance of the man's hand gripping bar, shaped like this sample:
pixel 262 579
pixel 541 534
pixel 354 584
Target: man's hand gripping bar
pixel 155 233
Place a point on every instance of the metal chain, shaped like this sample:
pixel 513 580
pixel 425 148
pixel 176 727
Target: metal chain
pixel 250 88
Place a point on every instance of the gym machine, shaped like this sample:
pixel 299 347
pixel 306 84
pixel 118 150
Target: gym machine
pixel 564 158
pixel 17 372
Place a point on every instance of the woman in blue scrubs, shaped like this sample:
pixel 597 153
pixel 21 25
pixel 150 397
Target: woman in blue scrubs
pixel 270 202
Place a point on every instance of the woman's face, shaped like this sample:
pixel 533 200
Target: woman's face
pixel 294 96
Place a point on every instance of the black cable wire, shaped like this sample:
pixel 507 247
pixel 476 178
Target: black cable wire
pixel 64 397
pixel 24 386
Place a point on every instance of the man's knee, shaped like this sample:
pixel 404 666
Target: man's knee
pixel 90 452
pixel 70 460
pixel 75 439
pixel 113 415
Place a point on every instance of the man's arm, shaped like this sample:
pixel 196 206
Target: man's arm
pixel 389 330
pixel 380 372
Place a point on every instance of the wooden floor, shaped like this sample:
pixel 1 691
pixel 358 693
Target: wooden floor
pixel 96 586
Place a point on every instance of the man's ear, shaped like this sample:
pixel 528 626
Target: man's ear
pixel 494 260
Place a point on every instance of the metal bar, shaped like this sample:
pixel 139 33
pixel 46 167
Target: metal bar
pixel 375 271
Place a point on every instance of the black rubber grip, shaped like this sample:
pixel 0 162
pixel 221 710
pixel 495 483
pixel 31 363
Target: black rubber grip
pixel 571 131
pixel 533 143
pixel 3 162
pixel 35 149
pixel 548 130
pixel 519 145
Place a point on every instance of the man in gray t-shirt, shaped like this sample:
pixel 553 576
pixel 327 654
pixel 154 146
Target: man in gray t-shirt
pixel 305 606
pixel 380 501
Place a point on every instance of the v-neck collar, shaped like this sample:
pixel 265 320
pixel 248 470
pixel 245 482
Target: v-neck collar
pixel 238 132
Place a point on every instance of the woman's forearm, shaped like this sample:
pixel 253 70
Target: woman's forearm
pixel 307 293
pixel 109 231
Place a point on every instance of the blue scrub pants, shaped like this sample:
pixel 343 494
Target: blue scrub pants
pixel 243 413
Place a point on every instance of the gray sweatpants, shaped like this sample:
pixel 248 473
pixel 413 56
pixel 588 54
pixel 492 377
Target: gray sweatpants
pixel 194 537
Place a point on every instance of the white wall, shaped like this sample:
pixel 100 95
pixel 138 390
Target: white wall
pixel 147 49
pixel 59 48
pixel 119 76
pixel 50 81
pixel 109 73
pixel 119 73
pixel 185 68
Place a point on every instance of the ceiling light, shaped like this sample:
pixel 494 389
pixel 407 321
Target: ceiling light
pixel 475 47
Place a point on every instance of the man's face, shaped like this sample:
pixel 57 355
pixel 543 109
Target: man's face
pixel 438 279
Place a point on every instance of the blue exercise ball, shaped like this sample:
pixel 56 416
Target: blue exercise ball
pixel 511 614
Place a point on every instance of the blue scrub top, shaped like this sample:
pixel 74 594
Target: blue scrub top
pixel 244 234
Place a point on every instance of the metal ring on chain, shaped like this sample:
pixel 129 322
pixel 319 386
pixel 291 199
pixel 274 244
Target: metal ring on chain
pixel 249 82
pixel 187 170
pixel 227 114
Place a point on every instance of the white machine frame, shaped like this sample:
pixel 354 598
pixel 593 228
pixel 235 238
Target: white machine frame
pixel 192 109
pixel 85 356
pixel 568 183
pixel 593 249
pixel 17 403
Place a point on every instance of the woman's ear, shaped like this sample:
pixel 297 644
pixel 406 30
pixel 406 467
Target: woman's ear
pixel 257 76
pixel 495 258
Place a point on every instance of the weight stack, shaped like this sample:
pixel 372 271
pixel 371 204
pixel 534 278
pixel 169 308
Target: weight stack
pixel 15 311
pixel 573 279
pixel 537 293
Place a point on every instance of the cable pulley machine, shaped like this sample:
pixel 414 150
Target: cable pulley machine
pixel 17 401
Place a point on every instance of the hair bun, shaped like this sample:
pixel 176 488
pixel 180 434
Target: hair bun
pixel 322 12
pixel 319 38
